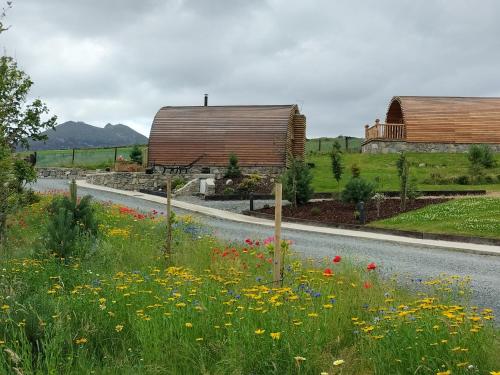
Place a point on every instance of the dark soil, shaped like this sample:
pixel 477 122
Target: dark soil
pixel 336 212
pixel 264 186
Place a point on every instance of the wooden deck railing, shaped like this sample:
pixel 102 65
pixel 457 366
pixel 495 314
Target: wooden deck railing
pixel 385 131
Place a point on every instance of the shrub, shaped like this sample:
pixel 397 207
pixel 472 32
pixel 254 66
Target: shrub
pixel 378 198
pixel 68 220
pixel 296 181
pixel 315 211
pixel 357 190
pixel 177 183
pixel 249 183
pixel 462 180
pixel 355 171
pixel 481 155
pixel 233 169
pixel 136 154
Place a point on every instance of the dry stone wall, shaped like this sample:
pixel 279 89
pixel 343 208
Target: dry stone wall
pixel 388 147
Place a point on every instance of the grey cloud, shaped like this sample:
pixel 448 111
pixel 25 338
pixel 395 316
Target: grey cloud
pixel 120 60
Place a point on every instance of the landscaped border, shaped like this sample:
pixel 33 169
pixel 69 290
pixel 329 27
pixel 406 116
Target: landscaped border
pixel 397 232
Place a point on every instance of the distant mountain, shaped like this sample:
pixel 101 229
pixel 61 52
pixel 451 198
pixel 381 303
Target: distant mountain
pixel 73 134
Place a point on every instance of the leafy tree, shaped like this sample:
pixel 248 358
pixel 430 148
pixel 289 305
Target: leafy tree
pixel 233 169
pixel 404 173
pixel 136 154
pixel 296 181
pixel 337 164
pixel 19 120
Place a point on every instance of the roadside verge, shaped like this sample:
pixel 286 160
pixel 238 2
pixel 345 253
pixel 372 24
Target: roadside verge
pixel 481 249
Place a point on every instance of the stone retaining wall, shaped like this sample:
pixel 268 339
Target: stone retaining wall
pixel 388 147
pixel 220 171
pixel 61 173
pixel 136 180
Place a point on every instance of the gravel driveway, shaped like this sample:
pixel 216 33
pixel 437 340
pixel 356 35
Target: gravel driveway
pixel 410 262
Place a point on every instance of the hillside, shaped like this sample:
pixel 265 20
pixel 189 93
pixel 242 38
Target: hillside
pixel 73 134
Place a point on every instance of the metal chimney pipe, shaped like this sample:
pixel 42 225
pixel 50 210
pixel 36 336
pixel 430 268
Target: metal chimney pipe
pixel 206 100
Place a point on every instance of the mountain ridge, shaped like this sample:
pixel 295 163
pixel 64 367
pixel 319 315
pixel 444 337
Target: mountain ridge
pixel 78 134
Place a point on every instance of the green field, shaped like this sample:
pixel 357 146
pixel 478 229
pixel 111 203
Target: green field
pixel 92 158
pixel 383 167
pixel 325 144
pixel 482 218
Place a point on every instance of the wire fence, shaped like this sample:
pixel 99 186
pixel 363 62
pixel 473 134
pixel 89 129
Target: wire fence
pixel 82 157
pixel 325 145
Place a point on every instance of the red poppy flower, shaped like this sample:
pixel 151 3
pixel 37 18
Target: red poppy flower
pixel 367 285
pixel 371 266
pixel 327 272
pixel 337 259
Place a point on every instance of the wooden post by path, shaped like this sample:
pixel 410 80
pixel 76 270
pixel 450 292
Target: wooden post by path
pixel 168 245
pixel 278 258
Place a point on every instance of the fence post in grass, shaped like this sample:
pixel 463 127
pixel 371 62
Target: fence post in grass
pixel 73 158
pixel 278 259
pixel 168 245
pixel 319 144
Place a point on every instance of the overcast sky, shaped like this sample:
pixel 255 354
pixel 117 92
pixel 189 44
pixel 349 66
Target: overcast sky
pixel 119 61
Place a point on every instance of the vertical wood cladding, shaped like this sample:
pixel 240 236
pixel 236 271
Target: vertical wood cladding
pixel 447 119
pixel 258 135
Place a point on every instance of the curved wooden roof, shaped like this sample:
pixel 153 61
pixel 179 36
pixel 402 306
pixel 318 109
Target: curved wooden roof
pixel 447 119
pixel 258 135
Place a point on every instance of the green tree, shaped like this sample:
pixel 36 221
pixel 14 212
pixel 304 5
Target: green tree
pixel 357 190
pixel 355 171
pixel 481 156
pixel 337 164
pixel 296 181
pixel 233 169
pixel 20 120
pixel 136 154
pixel 404 173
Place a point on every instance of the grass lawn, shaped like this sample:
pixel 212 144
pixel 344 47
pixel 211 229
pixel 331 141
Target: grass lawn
pixel 116 307
pixel 383 167
pixel 467 217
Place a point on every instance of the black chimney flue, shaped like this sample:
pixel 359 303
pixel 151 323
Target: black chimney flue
pixel 206 100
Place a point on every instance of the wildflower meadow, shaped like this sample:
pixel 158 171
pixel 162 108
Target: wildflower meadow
pixel 118 306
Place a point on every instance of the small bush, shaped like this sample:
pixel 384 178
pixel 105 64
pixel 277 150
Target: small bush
pixel 249 183
pixel 315 211
pixel 462 180
pixel 136 154
pixel 355 171
pixel 68 221
pixel 178 182
pixel 233 169
pixel 229 191
pixel 481 155
pixel 357 190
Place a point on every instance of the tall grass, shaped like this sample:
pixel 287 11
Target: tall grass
pixel 124 309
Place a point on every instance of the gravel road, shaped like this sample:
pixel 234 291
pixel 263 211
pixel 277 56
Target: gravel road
pixel 410 262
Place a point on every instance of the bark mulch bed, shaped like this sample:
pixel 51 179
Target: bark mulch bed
pixel 264 186
pixel 337 212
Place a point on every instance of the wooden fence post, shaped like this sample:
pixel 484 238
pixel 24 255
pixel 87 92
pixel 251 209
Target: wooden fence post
pixel 168 245
pixel 278 259
pixel 73 158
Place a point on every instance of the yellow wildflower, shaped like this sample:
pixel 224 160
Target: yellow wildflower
pixel 189 325
pixel 338 362
pixel 118 328
pixel 81 341
pixel 259 331
pixel 275 335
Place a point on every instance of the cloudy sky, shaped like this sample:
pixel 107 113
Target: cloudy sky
pixel 119 61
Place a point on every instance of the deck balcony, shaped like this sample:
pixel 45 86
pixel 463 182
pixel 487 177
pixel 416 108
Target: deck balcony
pixel 385 132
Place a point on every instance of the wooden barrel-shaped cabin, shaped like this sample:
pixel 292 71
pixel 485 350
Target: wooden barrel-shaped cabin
pixel 435 123
pixel 259 135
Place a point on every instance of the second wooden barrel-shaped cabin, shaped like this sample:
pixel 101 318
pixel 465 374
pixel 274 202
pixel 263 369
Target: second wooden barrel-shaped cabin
pixel 434 123
pixel 261 136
